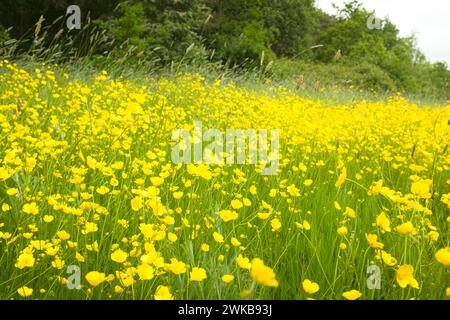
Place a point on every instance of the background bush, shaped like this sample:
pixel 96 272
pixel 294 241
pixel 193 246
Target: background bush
pixel 295 35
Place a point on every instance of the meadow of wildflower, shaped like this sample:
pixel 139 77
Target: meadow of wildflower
pixel 92 207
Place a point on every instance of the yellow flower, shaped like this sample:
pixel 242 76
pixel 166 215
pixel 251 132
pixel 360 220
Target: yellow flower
pixel 89 227
pixel 276 224
pixel 433 235
pixel 12 191
pixel 293 190
pixel 405 228
pixel 388 259
pixel 337 206
pixel 102 190
pixel 204 247
pixel 58 263
pixel 145 272
pixel 162 293
pixel 175 266
pixel 303 226
pixel 236 204
pixel 25 291
pixel 235 242
pixel 227 278
pixel 178 195
pixel 197 274
pixel 263 215
pixel 308 182
pixel 79 257
pixel 31 208
pixel 25 259
pixel 48 218
pixel 172 237
pixel 262 274
pixel 126 278
pixel 342 177
pixel 242 262
pixel 147 230
pixel 227 215
pixel 443 256
pixel 405 277
pixel 137 203
pixel 310 287
pixel 156 181
pixel 372 240
pixel 349 212
pixel 383 222
pixel 218 237
pixel 119 256
pixel 352 295
pixel 342 231
pixel 95 278
pixel 63 235
pixel 375 189
pixel 421 188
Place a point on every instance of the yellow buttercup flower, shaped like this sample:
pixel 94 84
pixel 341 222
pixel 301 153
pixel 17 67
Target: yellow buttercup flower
pixel 352 295
pixel 25 291
pixel 236 204
pixel 145 272
pixel 242 262
pixel 197 274
pixel 405 228
pixel 387 258
pixel 310 287
pixel 227 278
pixel 95 278
pixel 227 215
pixel 175 266
pixel 421 188
pixel 218 237
pixel 443 256
pixel 31 208
pixel 342 177
pixel 137 203
pixel 276 224
pixel 12 191
pixel 383 222
pixel 262 274
pixel 25 259
pixel 405 277
pixel 372 239
pixel 349 212
pixel 119 256
pixel 163 293
pixel 342 231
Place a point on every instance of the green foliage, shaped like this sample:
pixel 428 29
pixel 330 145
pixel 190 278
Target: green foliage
pixel 4 36
pixel 382 48
pixel 360 76
pixel 166 28
pixel 292 24
pixel 236 33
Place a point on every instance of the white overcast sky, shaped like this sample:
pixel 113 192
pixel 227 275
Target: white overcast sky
pixel 429 20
